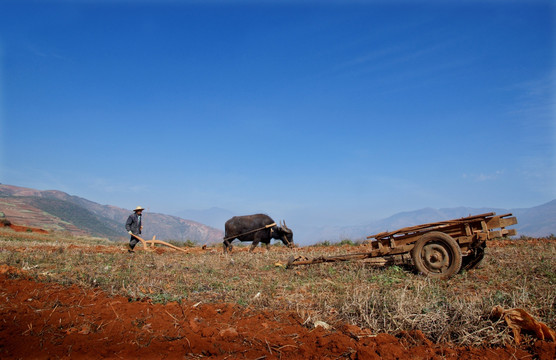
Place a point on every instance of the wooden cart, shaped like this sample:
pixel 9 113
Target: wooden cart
pixel 437 250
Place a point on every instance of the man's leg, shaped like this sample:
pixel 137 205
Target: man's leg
pixel 132 242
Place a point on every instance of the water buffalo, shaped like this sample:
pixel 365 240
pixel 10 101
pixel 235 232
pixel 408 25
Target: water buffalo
pixel 255 228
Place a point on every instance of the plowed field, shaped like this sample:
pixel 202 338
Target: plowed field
pixel 50 314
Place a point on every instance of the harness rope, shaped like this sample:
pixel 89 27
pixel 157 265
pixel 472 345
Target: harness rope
pixel 249 232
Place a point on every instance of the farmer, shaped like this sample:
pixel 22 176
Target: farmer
pixel 133 227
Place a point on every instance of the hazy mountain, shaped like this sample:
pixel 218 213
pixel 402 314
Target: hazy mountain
pixel 537 221
pixel 56 210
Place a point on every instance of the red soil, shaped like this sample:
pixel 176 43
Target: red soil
pixel 49 321
pixel 19 228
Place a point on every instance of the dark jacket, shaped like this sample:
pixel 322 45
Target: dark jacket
pixel 133 223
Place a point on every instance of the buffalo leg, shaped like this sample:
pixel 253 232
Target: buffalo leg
pixel 227 246
pixel 256 241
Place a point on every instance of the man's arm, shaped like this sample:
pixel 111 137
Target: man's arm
pixel 128 223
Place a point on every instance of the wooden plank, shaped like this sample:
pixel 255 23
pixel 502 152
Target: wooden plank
pixel 430 226
pixel 387 251
pixel 464 239
pixel 467 230
pixel 493 234
pixel 508 222
pixel 501 233
pixel 509 232
pixel 392 243
pixel 500 222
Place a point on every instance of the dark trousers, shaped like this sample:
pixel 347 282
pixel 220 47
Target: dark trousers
pixel 132 242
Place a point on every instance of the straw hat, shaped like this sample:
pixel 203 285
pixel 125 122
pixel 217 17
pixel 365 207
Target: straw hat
pixel 138 208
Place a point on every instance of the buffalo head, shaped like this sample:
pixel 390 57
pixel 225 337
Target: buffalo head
pixel 283 233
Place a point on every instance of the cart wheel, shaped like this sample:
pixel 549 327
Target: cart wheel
pixel 437 255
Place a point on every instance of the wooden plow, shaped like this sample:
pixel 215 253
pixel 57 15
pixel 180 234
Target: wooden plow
pixel 438 250
pixel 154 241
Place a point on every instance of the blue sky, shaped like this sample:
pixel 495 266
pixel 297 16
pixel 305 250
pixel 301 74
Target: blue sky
pixel 320 113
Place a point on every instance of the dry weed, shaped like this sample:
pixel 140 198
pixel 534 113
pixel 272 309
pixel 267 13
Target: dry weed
pixel 392 299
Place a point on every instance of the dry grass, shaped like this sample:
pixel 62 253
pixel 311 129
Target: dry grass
pixel 392 299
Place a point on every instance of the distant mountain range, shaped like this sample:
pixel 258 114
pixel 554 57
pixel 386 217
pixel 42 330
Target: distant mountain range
pixel 537 221
pixel 57 211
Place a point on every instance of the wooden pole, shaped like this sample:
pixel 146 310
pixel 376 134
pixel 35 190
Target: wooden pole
pixel 249 232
